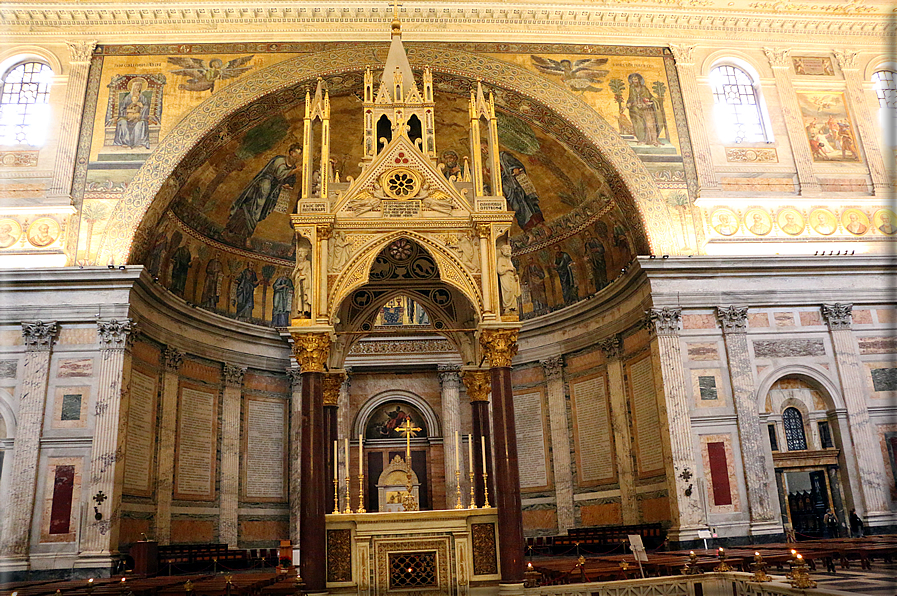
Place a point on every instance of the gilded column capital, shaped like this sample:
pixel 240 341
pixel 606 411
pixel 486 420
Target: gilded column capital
pixel 683 53
pixel 81 51
pixel 612 347
pixel 333 384
pixel 311 350
pixel 553 367
pixel 172 358
pixel 39 336
pixel 116 334
pixel 233 375
pixel 500 346
pixel 663 321
pixel 847 59
pixel 778 57
pixel 478 384
pixel 733 319
pixel 838 316
pixel 484 230
pixel 294 373
pixel 324 231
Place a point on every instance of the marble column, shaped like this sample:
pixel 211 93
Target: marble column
pixel 478 383
pixel 344 431
pixel 560 442
pixel 80 53
pixel 168 427
pixel 780 61
pixel 619 414
pixel 229 480
pixel 758 470
pixel 694 109
pixel 333 384
pixel 500 346
pixel 295 376
pixel 450 381
pixel 19 503
pixel 685 504
pixel 865 122
pixel 874 504
pixel 311 351
pixel 100 538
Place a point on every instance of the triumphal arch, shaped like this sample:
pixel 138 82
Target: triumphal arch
pixel 404 226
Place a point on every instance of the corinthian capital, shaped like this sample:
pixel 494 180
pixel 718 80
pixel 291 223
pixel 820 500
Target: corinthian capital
pixel 553 367
pixel 838 316
pixel 778 57
pixel 847 59
pixel 663 321
pixel 684 54
pixel 172 358
pixel 115 334
pixel 333 384
pixel 478 384
pixel 81 50
pixel 733 319
pixel 449 374
pixel 311 350
pixel 39 336
pixel 500 346
pixel 233 375
pixel 294 373
pixel 612 347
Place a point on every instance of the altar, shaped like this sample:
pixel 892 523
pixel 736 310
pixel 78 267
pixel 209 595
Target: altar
pixel 439 552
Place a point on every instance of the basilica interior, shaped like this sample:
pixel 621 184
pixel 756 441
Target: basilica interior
pixel 435 279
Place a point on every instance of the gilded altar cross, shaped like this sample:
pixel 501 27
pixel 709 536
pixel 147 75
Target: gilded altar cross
pixel 407 429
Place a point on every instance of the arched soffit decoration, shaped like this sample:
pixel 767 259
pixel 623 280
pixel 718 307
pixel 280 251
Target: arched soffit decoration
pixel 155 184
pixel 8 414
pixel 816 377
pixel 370 406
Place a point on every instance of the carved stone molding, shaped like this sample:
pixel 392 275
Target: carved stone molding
pixel 172 358
pixel 333 383
pixel 500 346
pixel 449 374
pixel 311 351
pixel 733 319
pixel 39 336
pixel 683 53
pixel 115 334
pixel 838 316
pixel 612 347
pixel 553 367
pixel 478 384
pixel 233 375
pixel 81 51
pixel 663 321
pixel 778 57
pixel 847 60
pixel 294 373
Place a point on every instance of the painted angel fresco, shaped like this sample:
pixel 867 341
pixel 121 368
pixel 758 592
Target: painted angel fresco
pixel 202 76
pixel 580 75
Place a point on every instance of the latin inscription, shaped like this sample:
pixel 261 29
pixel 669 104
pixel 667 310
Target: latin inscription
pixel 401 208
pixel 530 440
pixel 593 429
pixel 196 443
pixel 647 428
pixel 141 423
pixel 265 422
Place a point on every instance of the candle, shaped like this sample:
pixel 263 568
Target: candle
pixel 360 456
pixel 347 463
pixel 335 458
pixel 457 465
pixel 470 452
pixel 483 448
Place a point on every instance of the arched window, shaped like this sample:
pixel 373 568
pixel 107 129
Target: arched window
pixel 885 82
pixel 24 105
pixel 737 109
pixel 794 429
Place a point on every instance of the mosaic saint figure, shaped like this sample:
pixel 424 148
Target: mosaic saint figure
pixel 519 190
pixel 246 285
pixel 598 261
pixel 259 198
pixel 643 111
pixel 132 126
pixel 180 266
pixel 536 283
pixel 563 264
pixel 211 287
pixel 154 263
pixel 283 301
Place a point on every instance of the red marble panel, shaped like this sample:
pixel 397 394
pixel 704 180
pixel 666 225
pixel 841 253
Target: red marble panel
pixel 61 511
pixel 604 514
pixel 719 473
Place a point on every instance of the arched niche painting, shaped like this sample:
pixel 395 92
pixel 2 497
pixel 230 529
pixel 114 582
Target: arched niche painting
pixel 386 419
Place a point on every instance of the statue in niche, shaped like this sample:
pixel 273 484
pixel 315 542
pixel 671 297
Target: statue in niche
pixel 598 261
pixel 211 288
pixel 508 281
pixel 536 283
pixel 341 251
pixel 643 111
pixel 246 285
pixel 302 283
pixel 563 264
pixel 259 198
pixel 180 266
pixel 283 301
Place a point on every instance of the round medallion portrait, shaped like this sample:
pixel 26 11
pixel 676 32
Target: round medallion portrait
pixel 823 221
pixel 724 221
pixel 10 232
pixel 43 232
pixel 790 221
pixel 885 222
pixel 855 221
pixel 758 222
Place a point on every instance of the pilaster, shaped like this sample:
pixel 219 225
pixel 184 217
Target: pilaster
pixel 450 379
pixel 230 454
pixel 868 453
pixel 344 429
pixel 19 503
pixel 172 358
pixel 560 442
pixel 685 504
pixel 780 61
pixel 295 376
pixel 758 470
pixel 619 412
pixel 99 542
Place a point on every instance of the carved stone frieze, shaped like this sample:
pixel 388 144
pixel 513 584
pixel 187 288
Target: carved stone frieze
pixel 233 375
pixel 553 367
pixel 172 358
pixel 612 347
pixel 500 346
pixel 478 384
pixel 415 346
pixel 115 334
pixel 838 316
pixel 751 155
pixel 39 336
pixel 663 321
pixel 733 319
pixel 333 383
pixel 311 350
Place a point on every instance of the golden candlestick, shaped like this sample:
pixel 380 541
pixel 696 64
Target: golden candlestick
pixel 335 495
pixel 348 508
pixel 485 489
pixel 458 504
pixel 361 508
pixel 473 499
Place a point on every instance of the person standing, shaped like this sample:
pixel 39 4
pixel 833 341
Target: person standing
pixel 856 524
pixel 829 524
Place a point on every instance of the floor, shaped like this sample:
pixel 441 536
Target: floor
pixel 881 580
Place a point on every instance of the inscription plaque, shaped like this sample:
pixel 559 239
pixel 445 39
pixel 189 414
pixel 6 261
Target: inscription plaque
pixel 141 422
pixel 197 444
pixel 264 450
pixel 401 208
pixel 593 430
pixel 647 421
pixel 530 440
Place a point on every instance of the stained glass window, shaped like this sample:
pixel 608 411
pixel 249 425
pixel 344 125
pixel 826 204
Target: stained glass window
pixel 24 107
pixel 795 436
pixel 737 109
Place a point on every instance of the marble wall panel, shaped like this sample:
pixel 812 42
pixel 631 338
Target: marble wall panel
pixel 77 335
pixel 141 438
pixel 75 504
pixel 583 361
pixel 861 316
pixel 788 348
pixel 881 378
pixel 758 319
pixel 265 383
pixel 196 444
pixel 527 375
pixel 193 531
pixel 532 451
pixel 707 388
pixel 783 318
pixel 269 531
pixel 635 341
pixel 877 345
pixel 810 318
pixel 646 423
pixel 201 372
pixel 540 519
pixel 592 430
pixel 11 337
pixel 74 367
pixel 886 315
pixel 70 407
pixel 264 446
pixel 698 322
pixel 601 514
pixel 146 352
pixel 8 369
pixel 655 509
pixel 726 440
pixel 130 529
pixel 886 432
pixel 702 351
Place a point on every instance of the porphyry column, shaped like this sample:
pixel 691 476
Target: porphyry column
pixel 172 360
pixel 478 383
pixel 451 423
pixel 19 503
pixel 311 351
pixel 100 537
pixel 333 385
pixel 619 414
pixel 868 453
pixel 758 470
pixel 500 346
pixel 232 400
pixel 295 377
pixel 560 442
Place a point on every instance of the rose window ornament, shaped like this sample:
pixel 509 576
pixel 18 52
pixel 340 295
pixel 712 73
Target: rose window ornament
pixel 401 183
pixel 401 249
